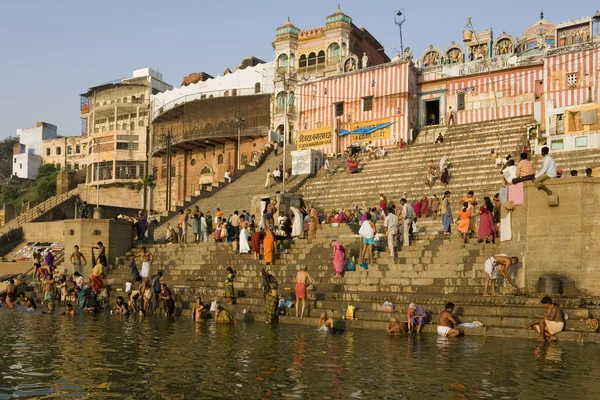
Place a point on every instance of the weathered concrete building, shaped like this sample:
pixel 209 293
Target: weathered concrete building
pixel 115 120
pixel 27 154
pixel 206 128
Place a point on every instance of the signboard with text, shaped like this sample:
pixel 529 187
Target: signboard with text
pixel 314 138
pixel 379 134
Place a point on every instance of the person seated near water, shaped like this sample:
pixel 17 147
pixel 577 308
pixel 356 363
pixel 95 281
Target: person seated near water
pixel 222 316
pixel 325 324
pixel 440 139
pixel 416 317
pixel 121 307
pixel 394 327
pixel 447 323
pixel 170 235
pixel 68 310
pixel 199 310
pixel 550 323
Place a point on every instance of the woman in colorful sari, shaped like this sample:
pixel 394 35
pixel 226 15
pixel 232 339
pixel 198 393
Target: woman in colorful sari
pixel 340 218
pixel 382 201
pixel 229 290
pixel 257 239
pixel 447 219
pixel 217 233
pixel 224 231
pixel 314 224
pixel 268 247
pixel 424 206
pixel 338 255
pixel 97 272
pixel 222 316
pixel 271 297
pixel 487 229
pixel 417 208
pixel 463 224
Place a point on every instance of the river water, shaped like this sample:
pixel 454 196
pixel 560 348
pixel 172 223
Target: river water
pixel 109 357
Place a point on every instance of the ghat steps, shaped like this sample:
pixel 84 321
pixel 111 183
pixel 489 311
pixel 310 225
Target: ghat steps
pixel 467 148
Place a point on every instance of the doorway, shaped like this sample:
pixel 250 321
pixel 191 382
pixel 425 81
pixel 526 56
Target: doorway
pixel 432 112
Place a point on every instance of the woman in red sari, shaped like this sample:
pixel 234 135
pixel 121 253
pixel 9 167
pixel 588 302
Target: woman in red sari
pixel 424 206
pixel 487 230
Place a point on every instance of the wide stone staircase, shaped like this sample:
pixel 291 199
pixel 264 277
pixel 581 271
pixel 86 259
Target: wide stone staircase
pixel 403 172
pixel 433 270
pixel 238 194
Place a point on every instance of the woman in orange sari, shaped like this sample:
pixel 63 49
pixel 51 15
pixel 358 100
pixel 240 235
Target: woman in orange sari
pixel 463 224
pixel 314 224
pixel 268 246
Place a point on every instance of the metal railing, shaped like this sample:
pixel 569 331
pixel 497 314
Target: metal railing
pixel 38 210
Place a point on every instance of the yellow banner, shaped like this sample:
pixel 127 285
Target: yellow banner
pixel 377 135
pixel 314 138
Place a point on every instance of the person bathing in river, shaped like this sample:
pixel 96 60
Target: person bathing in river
pixel 120 307
pixel 223 316
pixel 393 327
pixel 325 324
pixel 550 323
pixel 199 310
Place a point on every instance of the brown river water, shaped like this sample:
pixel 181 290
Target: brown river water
pixel 109 357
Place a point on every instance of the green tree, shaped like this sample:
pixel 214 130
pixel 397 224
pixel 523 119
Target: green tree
pixel 6 155
pixel 44 186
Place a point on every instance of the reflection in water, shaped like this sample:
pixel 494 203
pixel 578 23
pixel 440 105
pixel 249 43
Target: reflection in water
pixel 104 356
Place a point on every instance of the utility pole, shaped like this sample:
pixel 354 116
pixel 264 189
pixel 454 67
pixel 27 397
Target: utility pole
pixel 167 139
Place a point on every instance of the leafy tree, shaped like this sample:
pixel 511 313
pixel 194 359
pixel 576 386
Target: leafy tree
pixel 6 155
pixel 147 182
pixel 44 186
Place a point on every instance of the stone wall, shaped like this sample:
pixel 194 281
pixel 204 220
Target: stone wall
pixel 559 240
pixel 117 196
pixel 44 231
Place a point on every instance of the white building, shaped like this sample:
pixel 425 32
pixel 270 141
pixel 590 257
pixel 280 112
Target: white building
pixel 27 155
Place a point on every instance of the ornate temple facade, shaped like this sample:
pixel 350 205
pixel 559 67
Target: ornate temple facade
pixel 549 72
pixel 306 55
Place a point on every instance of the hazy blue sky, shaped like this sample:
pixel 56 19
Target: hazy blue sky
pixel 52 50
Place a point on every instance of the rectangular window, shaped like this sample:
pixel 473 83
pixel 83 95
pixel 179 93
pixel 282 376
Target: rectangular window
pixel 367 103
pixel 557 145
pixel 128 138
pixel 128 146
pixel 77 149
pixel 572 80
pixel 581 141
pixel 339 109
pixel 460 101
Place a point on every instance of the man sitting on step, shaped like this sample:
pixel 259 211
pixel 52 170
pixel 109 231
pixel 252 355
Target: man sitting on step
pixel 547 171
pixel 447 323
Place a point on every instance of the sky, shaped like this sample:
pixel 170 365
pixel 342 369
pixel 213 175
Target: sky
pixel 51 51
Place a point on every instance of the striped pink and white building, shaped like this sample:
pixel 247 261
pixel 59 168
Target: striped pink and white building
pixel 543 88
pixel 374 95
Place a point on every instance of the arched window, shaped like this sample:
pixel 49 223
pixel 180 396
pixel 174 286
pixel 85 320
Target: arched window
pixel 77 149
pixel 234 92
pixel 203 96
pixel 132 125
pixel 281 99
pixel 58 166
pixel 141 123
pixel 244 158
pixel 302 62
pixel 226 94
pixel 257 87
pixel 76 166
pixel 292 60
pixel 69 150
pixel 333 52
pixel 321 58
pixel 254 156
pixel 48 151
pixel 205 171
pixel 58 151
pixel 282 60
pixel 220 159
pixel 133 99
pixel 125 99
pixel 312 59
pixel 68 166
